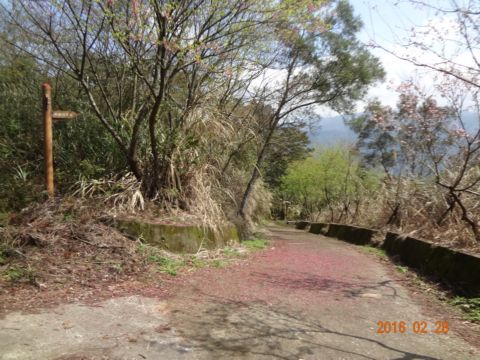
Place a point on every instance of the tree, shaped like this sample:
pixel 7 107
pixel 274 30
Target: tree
pixel 289 144
pixel 447 46
pixel 146 67
pixel 449 50
pixel 432 142
pixel 322 63
pixel 333 180
pixel 402 141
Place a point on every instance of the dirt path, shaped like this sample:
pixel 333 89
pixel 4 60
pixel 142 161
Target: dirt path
pixel 307 297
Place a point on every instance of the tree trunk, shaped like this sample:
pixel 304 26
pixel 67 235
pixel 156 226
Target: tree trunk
pixel 256 173
pixel 465 217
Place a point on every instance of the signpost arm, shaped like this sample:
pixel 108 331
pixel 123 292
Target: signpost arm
pixel 47 133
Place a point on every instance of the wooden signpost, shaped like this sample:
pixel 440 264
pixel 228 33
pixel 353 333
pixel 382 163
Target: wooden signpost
pixel 285 210
pixel 63 115
pixel 48 117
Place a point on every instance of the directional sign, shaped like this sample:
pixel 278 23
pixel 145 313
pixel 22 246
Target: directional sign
pixel 63 115
pixel 48 117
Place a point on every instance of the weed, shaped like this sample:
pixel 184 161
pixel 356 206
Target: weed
pixel 3 219
pixel 471 307
pixel 217 263
pixel 374 250
pixel 402 269
pixel 117 268
pixel 198 263
pixel 201 263
pixel 143 248
pixel 257 243
pixel 167 265
pixel 67 217
pixel 18 274
pixel 3 255
pixel 231 252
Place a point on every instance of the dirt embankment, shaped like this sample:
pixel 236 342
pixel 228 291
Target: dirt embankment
pixel 62 251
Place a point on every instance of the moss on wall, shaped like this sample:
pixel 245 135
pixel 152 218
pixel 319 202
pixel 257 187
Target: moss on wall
pixel 177 238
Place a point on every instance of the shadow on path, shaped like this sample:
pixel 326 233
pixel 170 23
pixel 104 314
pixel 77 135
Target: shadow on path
pixel 230 329
pixel 310 282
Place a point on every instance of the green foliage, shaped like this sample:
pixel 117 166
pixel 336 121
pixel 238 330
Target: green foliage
pixel 330 177
pixel 19 274
pixel 405 138
pixel 201 263
pixel 377 143
pixel 257 243
pixel 198 263
pixel 166 264
pixel 231 252
pixel 374 250
pixel 182 120
pixel 4 217
pixel 217 263
pixel 6 252
pixel 289 144
pixel 471 306
pixel 20 143
pixel 402 269
pixel 82 148
pixel 172 265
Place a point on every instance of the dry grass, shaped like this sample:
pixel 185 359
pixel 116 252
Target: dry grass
pixel 64 242
pixel 61 251
pixel 122 194
pixel 420 207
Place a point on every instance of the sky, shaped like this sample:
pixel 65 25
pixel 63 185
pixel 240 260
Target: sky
pixel 389 23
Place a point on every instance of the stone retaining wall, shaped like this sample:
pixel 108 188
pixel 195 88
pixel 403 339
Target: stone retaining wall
pixel 318 228
pixel 302 225
pixel 352 234
pixel 177 238
pixel 452 267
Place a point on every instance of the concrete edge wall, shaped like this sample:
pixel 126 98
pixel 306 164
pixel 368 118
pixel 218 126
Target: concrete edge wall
pixel 352 234
pixel 176 238
pixel 302 225
pixel 318 228
pixel 452 267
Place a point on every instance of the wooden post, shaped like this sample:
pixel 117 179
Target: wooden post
pixel 47 136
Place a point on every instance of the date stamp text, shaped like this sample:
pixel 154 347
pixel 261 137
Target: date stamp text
pixel 415 327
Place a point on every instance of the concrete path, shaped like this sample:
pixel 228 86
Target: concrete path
pixel 307 297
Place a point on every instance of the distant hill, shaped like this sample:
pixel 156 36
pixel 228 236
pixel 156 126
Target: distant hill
pixel 471 121
pixel 333 129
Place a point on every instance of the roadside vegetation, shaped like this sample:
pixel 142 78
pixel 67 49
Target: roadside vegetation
pixel 414 167
pixel 374 250
pixel 175 112
pixel 177 123
pixel 65 253
pixel 470 306
pixel 181 120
